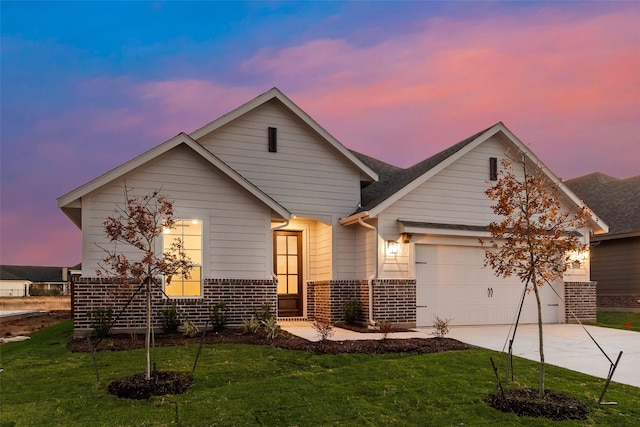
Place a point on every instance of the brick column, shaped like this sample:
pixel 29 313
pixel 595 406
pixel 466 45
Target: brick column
pixel 580 298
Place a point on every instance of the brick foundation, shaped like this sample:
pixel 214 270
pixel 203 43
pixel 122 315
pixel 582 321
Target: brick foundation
pixel 580 298
pixel 242 298
pixel 394 300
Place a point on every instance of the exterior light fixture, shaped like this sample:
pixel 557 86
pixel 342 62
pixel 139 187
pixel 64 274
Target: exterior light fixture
pixel 392 247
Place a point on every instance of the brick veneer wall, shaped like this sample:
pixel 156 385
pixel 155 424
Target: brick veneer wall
pixel 617 302
pixel 394 300
pixel 580 298
pixel 242 297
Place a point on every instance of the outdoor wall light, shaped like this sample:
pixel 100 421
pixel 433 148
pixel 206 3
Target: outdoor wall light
pixel 392 247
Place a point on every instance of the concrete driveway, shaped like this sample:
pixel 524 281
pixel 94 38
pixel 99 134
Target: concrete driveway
pixel 567 346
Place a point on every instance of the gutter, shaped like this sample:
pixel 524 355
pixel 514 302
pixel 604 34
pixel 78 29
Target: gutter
pixel 375 272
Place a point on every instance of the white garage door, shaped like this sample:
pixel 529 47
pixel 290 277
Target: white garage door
pixel 452 282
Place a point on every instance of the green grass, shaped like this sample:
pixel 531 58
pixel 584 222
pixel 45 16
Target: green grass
pixel 44 385
pixel 618 320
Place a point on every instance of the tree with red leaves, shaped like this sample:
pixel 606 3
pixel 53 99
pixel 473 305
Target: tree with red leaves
pixel 138 224
pixel 535 236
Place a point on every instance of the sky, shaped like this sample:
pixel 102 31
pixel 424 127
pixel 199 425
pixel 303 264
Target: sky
pixel 86 86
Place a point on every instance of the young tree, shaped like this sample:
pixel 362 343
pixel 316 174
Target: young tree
pixel 137 225
pixel 535 235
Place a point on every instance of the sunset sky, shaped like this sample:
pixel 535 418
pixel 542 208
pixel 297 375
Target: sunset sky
pixel 86 86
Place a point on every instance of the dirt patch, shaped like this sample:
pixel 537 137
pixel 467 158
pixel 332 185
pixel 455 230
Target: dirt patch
pixel 25 324
pixel 61 303
pixel 527 402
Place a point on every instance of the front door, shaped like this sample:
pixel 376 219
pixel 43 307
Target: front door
pixel 287 260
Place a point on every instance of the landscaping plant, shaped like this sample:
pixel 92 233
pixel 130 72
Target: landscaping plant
pixel 534 236
pixel 137 225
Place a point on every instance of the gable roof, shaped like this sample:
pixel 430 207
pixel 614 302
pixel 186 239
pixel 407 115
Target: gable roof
pixel 397 182
pixel 276 94
pixel 616 201
pixel 70 202
pixel 35 274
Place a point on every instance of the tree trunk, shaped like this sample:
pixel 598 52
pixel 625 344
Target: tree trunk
pixel 147 342
pixel 541 345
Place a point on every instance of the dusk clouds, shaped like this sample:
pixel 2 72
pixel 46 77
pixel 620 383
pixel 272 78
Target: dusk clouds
pixel 396 83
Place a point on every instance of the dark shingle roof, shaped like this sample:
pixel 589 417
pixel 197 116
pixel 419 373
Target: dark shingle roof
pixel 32 273
pixel 616 201
pixel 392 178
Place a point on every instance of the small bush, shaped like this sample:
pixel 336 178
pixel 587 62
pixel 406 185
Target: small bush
pixel 170 321
pixel 250 325
pixel 323 329
pixel 385 327
pixel 189 329
pixel 351 310
pixel 101 319
pixel 264 313
pixel 218 316
pixel 272 327
pixel 440 327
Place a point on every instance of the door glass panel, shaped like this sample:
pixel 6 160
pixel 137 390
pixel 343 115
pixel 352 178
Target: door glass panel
pixel 293 284
pixel 281 244
pixel 282 284
pixel 292 265
pixel 282 264
pixel 292 246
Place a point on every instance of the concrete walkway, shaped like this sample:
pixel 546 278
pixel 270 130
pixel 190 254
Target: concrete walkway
pixel 567 346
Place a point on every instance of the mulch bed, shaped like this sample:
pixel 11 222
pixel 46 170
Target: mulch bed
pixel 527 402
pixel 284 340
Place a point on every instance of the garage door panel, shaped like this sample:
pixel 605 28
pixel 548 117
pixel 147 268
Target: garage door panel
pixel 452 282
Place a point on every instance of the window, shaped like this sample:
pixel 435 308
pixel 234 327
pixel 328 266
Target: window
pixel 190 232
pixel 273 140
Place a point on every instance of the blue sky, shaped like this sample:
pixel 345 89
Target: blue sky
pixel 85 86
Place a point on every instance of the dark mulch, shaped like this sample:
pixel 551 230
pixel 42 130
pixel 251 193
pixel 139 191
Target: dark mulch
pixel 160 384
pixel 526 402
pixel 284 340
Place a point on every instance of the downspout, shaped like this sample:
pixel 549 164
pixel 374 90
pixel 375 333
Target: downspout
pixel 375 272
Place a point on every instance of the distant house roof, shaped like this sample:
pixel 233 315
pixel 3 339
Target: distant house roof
pixel 616 201
pixel 35 274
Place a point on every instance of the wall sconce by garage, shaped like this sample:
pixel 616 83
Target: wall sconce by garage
pixel 393 247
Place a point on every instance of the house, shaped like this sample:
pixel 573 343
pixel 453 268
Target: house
pixel 277 211
pixel 614 255
pixel 27 280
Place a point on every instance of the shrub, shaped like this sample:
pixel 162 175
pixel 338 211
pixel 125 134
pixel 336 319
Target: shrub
pixel 170 321
pixel 264 313
pixel 351 310
pixel 250 325
pixel 385 327
pixel 218 316
pixel 189 329
pixel 101 319
pixel 323 329
pixel 440 327
pixel 272 327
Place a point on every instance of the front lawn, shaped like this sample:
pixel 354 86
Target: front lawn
pixel 237 384
pixel 618 320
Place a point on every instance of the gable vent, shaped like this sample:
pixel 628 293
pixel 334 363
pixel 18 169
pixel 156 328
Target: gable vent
pixel 493 168
pixel 273 140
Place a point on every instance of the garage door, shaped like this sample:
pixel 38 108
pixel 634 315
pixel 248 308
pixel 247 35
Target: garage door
pixel 452 282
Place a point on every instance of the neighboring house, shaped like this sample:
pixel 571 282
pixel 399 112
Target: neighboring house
pixel 615 256
pixel 276 211
pixel 23 280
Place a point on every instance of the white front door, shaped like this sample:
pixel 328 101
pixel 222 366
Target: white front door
pixel 452 283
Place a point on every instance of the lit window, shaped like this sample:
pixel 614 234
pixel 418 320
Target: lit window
pixel 190 232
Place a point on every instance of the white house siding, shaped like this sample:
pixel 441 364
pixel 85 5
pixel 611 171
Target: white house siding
pixel 306 175
pixel 455 195
pixel 237 237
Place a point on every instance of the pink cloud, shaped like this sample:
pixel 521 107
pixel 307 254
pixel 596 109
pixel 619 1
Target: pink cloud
pixel 574 75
